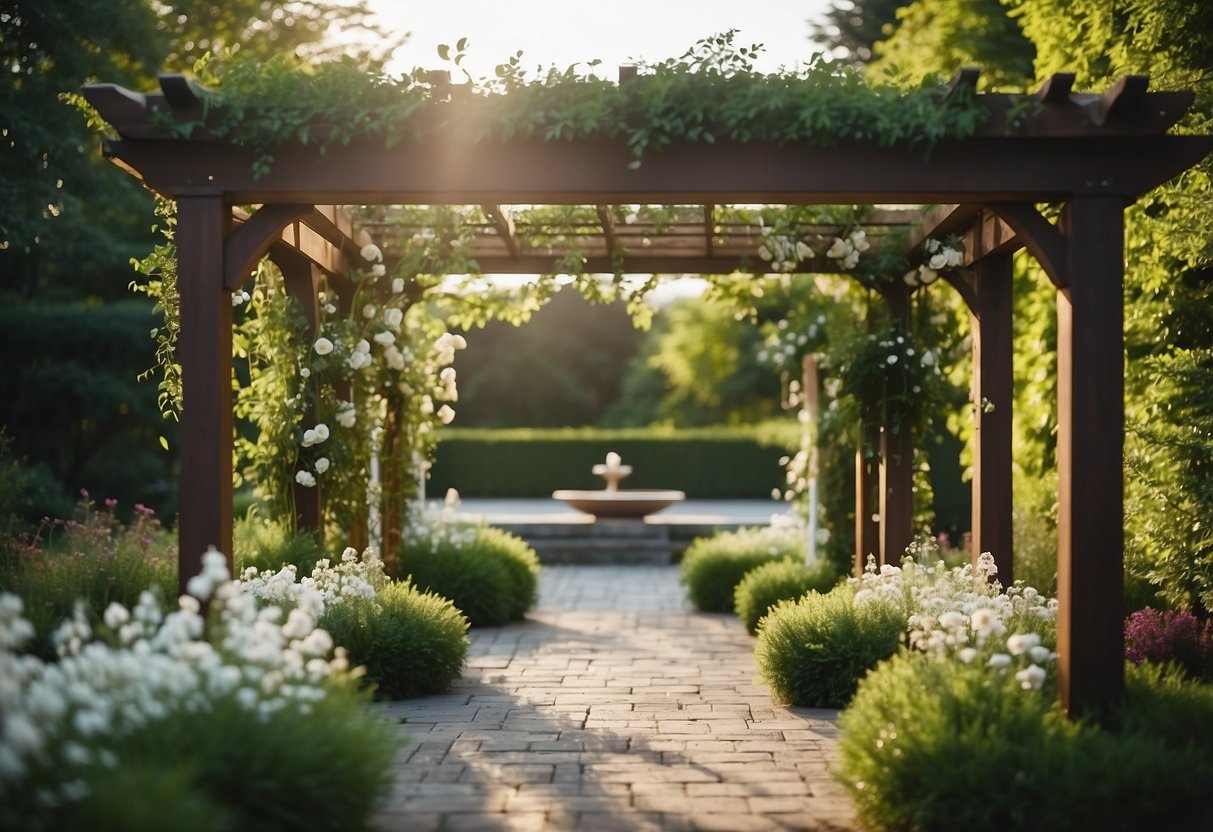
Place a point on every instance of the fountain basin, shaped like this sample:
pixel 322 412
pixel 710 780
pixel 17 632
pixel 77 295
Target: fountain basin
pixel 623 503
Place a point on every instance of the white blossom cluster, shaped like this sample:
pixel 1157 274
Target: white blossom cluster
pixel 963 614
pixel 432 526
pixel 781 346
pixel 783 251
pixel 939 257
pixel 354 577
pixel 846 250
pixel 144 666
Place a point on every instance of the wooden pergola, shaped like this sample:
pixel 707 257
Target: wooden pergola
pixel 1091 154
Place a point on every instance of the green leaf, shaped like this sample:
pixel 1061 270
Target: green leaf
pixel 444 51
pixel 461 44
pixel 163 443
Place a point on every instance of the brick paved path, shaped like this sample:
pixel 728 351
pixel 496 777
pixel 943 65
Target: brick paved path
pixel 613 707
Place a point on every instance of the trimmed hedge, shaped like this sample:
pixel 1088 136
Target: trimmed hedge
pixel 706 463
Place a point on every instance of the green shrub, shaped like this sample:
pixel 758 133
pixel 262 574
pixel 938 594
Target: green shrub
pixel 712 567
pixel 491 575
pixel 267 544
pixel 941 745
pixel 96 560
pixel 320 767
pixel 412 643
pixel 781 580
pixel 813 651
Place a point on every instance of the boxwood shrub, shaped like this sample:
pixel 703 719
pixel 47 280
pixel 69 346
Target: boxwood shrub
pixel 941 745
pixel 492 576
pixel 781 580
pixel 813 651
pixel 712 567
pixel 412 643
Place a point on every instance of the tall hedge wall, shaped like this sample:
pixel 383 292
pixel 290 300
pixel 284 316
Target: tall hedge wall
pixel 706 463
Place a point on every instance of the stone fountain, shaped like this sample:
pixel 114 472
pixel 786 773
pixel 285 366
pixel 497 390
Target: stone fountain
pixel 614 502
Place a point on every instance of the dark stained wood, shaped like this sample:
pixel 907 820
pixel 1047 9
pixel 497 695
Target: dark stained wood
pixel 178 92
pixel 993 382
pixel 867 502
pixel 302 279
pixel 204 348
pixel 1056 88
pixel 1043 239
pixel 1125 98
pixel 896 495
pixel 249 242
pixel 1090 457
pixel 590 173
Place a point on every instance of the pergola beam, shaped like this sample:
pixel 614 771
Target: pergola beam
pixel 504 223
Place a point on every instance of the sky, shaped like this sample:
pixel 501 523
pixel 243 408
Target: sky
pixel 564 32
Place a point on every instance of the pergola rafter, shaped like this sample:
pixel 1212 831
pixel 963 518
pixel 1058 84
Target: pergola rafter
pixel 1088 153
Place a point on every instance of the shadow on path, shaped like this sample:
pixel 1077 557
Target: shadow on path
pixel 612 707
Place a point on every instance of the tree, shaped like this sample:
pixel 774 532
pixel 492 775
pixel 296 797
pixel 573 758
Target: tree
pixel 851 27
pixel 937 37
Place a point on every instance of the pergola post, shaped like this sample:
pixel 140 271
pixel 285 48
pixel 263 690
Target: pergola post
pixel 301 280
pixel 1090 451
pixel 896 494
pixel 993 388
pixel 867 497
pixel 204 348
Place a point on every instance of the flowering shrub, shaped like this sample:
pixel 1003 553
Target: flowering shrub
pixel 224 703
pixel 944 745
pixel 93 559
pixel 1165 636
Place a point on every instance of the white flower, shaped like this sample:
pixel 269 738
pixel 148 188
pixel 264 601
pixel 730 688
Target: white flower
pixel 911 279
pixel 323 346
pixel 393 318
pixel 1031 677
pixel 322 465
pixel 394 357
pixel 346 416
pixel 369 311
pixel 322 432
pixel 378 270
pixel 363 346
pixel 398 286
pixel 953 256
pixel 385 338
pixel 309 438
pixel 999 660
pixel 305 372
pixel 330 309
pixel 305 479
pixel 803 251
pixel 446 414
pixel 1041 654
pixel 983 619
pixel 892 359
pixel 1022 642
pixel 116 615
pixel 966 654
pixel 452 498
pixel 938 260
pixel 927 275
pixel 764 252
pixel 358 360
pixel 838 248
pixel 928 359
pixel 371 252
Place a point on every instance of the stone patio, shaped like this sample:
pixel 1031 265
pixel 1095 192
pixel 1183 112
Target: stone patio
pixel 613 707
